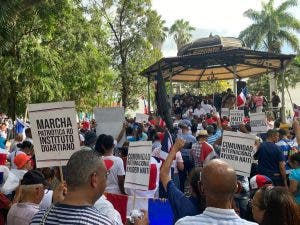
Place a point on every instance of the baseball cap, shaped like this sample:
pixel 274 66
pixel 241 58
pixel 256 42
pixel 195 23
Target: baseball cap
pixel 108 163
pixel 259 181
pixel 21 159
pixel 34 177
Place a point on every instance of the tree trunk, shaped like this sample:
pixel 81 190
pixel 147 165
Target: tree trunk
pixel 124 77
pixel 11 101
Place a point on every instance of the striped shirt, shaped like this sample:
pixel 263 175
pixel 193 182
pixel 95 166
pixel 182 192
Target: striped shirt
pixel 68 214
pixel 213 138
pixel 214 216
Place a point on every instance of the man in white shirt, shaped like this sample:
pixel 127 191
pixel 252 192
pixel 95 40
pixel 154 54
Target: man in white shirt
pixel 199 111
pixel 32 189
pixel 219 183
pixel 208 108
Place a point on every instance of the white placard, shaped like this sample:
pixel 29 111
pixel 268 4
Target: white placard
pixel 138 165
pixel 110 121
pixel 140 118
pixel 238 150
pixel 225 112
pixel 258 122
pixel 236 117
pixel 54 132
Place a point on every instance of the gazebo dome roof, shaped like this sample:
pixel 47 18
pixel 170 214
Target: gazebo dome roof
pixel 210 44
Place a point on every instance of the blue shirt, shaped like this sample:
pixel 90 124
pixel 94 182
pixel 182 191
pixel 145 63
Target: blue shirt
pixel 189 139
pixel 269 156
pixel 285 146
pixel 295 175
pixel 214 216
pixel 181 205
pixel 213 138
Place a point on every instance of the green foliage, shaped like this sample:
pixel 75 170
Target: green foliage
pixel 272 27
pixel 52 52
pixel 136 36
pixel 181 31
pixel 203 88
pixel 261 83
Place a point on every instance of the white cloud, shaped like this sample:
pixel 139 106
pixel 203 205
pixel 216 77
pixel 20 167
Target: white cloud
pixel 223 17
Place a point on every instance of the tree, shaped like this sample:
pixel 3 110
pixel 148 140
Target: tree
pixel 132 42
pixel 156 24
pixel 52 52
pixel 261 83
pixel 272 27
pixel 181 31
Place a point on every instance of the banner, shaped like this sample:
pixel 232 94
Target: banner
pixel 238 150
pixel 54 132
pixel 224 112
pixel 159 210
pixel 138 165
pixel 258 122
pixel 236 117
pixel 140 118
pixel 110 121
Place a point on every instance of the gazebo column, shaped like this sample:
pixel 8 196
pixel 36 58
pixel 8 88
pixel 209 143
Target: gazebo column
pixel 283 117
pixel 235 83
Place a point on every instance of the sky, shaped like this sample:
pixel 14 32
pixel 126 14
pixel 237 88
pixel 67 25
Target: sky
pixel 219 17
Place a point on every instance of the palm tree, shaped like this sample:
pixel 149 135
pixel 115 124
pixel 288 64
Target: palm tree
pixel 181 31
pixel 272 27
pixel 159 30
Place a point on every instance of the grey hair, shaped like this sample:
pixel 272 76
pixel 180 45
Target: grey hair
pixel 80 166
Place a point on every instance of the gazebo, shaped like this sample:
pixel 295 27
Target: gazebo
pixel 212 58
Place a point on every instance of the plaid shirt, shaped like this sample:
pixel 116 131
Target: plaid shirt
pixel 207 154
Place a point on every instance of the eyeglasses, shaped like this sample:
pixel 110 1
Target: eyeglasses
pixel 107 172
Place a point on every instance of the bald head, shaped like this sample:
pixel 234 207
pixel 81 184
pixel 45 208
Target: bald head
pixel 218 179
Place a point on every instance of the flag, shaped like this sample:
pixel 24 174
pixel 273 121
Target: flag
pixel 21 126
pixel 159 210
pixel 241 98
pixel 166 145
pixel 296 110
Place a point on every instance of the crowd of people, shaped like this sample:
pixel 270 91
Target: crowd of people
pixel 200 187
pixel 257 102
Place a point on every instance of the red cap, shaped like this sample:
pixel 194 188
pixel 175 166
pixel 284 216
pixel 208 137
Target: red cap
pixel 108 163
pixel 21 159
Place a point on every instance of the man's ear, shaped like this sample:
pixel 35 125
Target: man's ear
pixel 94 180
pixel 238 187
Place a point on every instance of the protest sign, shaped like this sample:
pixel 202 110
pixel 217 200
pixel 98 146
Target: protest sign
pixel 140 118
pixel 225 112
pixel 236 117
pixel 258 122
pixel 54 132
pixel 138 165
pixel 238 150
pixel 110 121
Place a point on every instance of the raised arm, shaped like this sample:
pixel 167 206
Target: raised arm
pixel 165 169
pixel 297 130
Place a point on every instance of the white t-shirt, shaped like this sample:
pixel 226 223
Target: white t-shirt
pixel 107 209
pixel 199 112
pixel 177 160
pixel 116 170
